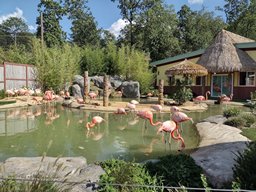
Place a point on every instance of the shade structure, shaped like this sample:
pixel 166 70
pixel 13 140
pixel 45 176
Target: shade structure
pixel 186 67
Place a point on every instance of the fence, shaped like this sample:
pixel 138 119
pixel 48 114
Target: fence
pixel 14 75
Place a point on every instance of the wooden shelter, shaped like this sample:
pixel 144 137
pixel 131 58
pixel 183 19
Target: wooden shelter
pixel 230 61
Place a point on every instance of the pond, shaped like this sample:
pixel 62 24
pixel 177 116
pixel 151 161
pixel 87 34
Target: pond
pixel 59 131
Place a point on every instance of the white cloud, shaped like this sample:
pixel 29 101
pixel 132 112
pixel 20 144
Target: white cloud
pixel 17 13
pixel 117 26
pixel 32 28
pixel 195 1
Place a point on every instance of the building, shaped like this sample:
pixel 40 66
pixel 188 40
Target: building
pixel 231 64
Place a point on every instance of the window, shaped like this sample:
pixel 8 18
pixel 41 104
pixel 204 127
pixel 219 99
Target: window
pixel 198 80
pixel 247 78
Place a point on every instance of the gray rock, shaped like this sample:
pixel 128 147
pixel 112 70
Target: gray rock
pixel 115 82
pixel 99 81
pixel 217 150
pixel 130 89
pixel 78 79
pixel 76 91
pixel 71 169
pixel 215 119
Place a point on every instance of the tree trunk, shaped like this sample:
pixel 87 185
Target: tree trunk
pixel 86 86
pixel 161 92
pixel 105 91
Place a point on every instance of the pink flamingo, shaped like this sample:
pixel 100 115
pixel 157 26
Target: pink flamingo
pixel 201 97
pixel 131 106
pixel 178 116
pixel 157 107
pixel 134 102
pixel 171 127
pixel 121 111
pixel 92 95
pixel 95 120
pixel 48 95
pixel 226 98
pixel 148 115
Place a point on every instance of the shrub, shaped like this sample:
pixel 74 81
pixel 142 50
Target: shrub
pixel 245 168
pixel 182 95
pixel 126 173
pixel 231 112
pixel 249 119
pixel 2 94
pixel 235 122
pixel 177 170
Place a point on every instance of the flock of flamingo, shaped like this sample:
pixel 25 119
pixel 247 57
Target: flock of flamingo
pixel 170 127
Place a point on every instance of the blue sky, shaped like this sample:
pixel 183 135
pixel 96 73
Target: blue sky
pixel 105 12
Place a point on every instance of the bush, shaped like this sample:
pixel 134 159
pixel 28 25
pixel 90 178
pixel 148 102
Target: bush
pixel 231 112
pixel 245 168
pixel 235 122
pixel 182 95
pixel 177 170
pixel 249 119
pixel 2 94
pixel 126 173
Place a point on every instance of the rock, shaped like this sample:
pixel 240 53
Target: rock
pixel 76 91
pixel 215 119
pixel 78 79
pixel 99 82
pixel 72 169
pixel 115 82
pixel 218 149
pixel 130 89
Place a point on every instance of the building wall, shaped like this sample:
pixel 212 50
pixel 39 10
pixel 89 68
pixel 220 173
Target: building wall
pixel 162 68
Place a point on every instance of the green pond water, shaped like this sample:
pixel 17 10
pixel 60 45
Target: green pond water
pixel 59 131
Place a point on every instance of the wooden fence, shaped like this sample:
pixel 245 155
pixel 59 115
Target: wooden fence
pixel 14 75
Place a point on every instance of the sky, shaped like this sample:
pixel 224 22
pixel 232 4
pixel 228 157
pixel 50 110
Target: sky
pixel 105 12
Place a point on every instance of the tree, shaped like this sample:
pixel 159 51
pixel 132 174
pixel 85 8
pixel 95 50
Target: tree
pixel 196 29
pixel 52 12
pixel 155 29
pixel 13 30
pixel 106 38
pixel 84 28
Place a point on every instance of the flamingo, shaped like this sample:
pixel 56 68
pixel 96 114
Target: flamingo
pixel 92 95
pixel 95 120
pixel 170 127
pixel 48 95
pixel 226 98
pixel 134 102
pixel 148 115
pixel 121 111
pixel 157 107
pixel 201 97
pixel 131 106
pixel 178 116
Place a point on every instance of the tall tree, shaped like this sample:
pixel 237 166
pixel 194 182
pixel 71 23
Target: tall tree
pixel 130 9
pixel 14 30
pixel 196 29
pixel 84 27
pixel 52 14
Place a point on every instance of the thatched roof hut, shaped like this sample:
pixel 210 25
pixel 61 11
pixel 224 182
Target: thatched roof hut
pixel 187 67
pixel 223 56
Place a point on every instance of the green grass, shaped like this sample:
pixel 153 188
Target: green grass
pixel 250 133
pixel 4 102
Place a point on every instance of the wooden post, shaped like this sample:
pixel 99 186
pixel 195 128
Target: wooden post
pixel 105 91
pixel 161 92
pixel 86 86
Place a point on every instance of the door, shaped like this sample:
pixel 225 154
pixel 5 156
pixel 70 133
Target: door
pixel 221 84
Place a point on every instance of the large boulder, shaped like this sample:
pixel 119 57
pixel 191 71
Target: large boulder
pixel 99 81
pixel 130 89
pixel 115 81
pixel 69 169
pixel 78 79
pixel 76 91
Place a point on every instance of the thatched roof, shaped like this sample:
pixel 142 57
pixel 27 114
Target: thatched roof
pixel 223 56
pixel 186 67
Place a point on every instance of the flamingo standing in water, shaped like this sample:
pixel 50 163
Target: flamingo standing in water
pixel 171 127
pixel 201 97
pixel 95 120
pixel 178 116
pixel 148 115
